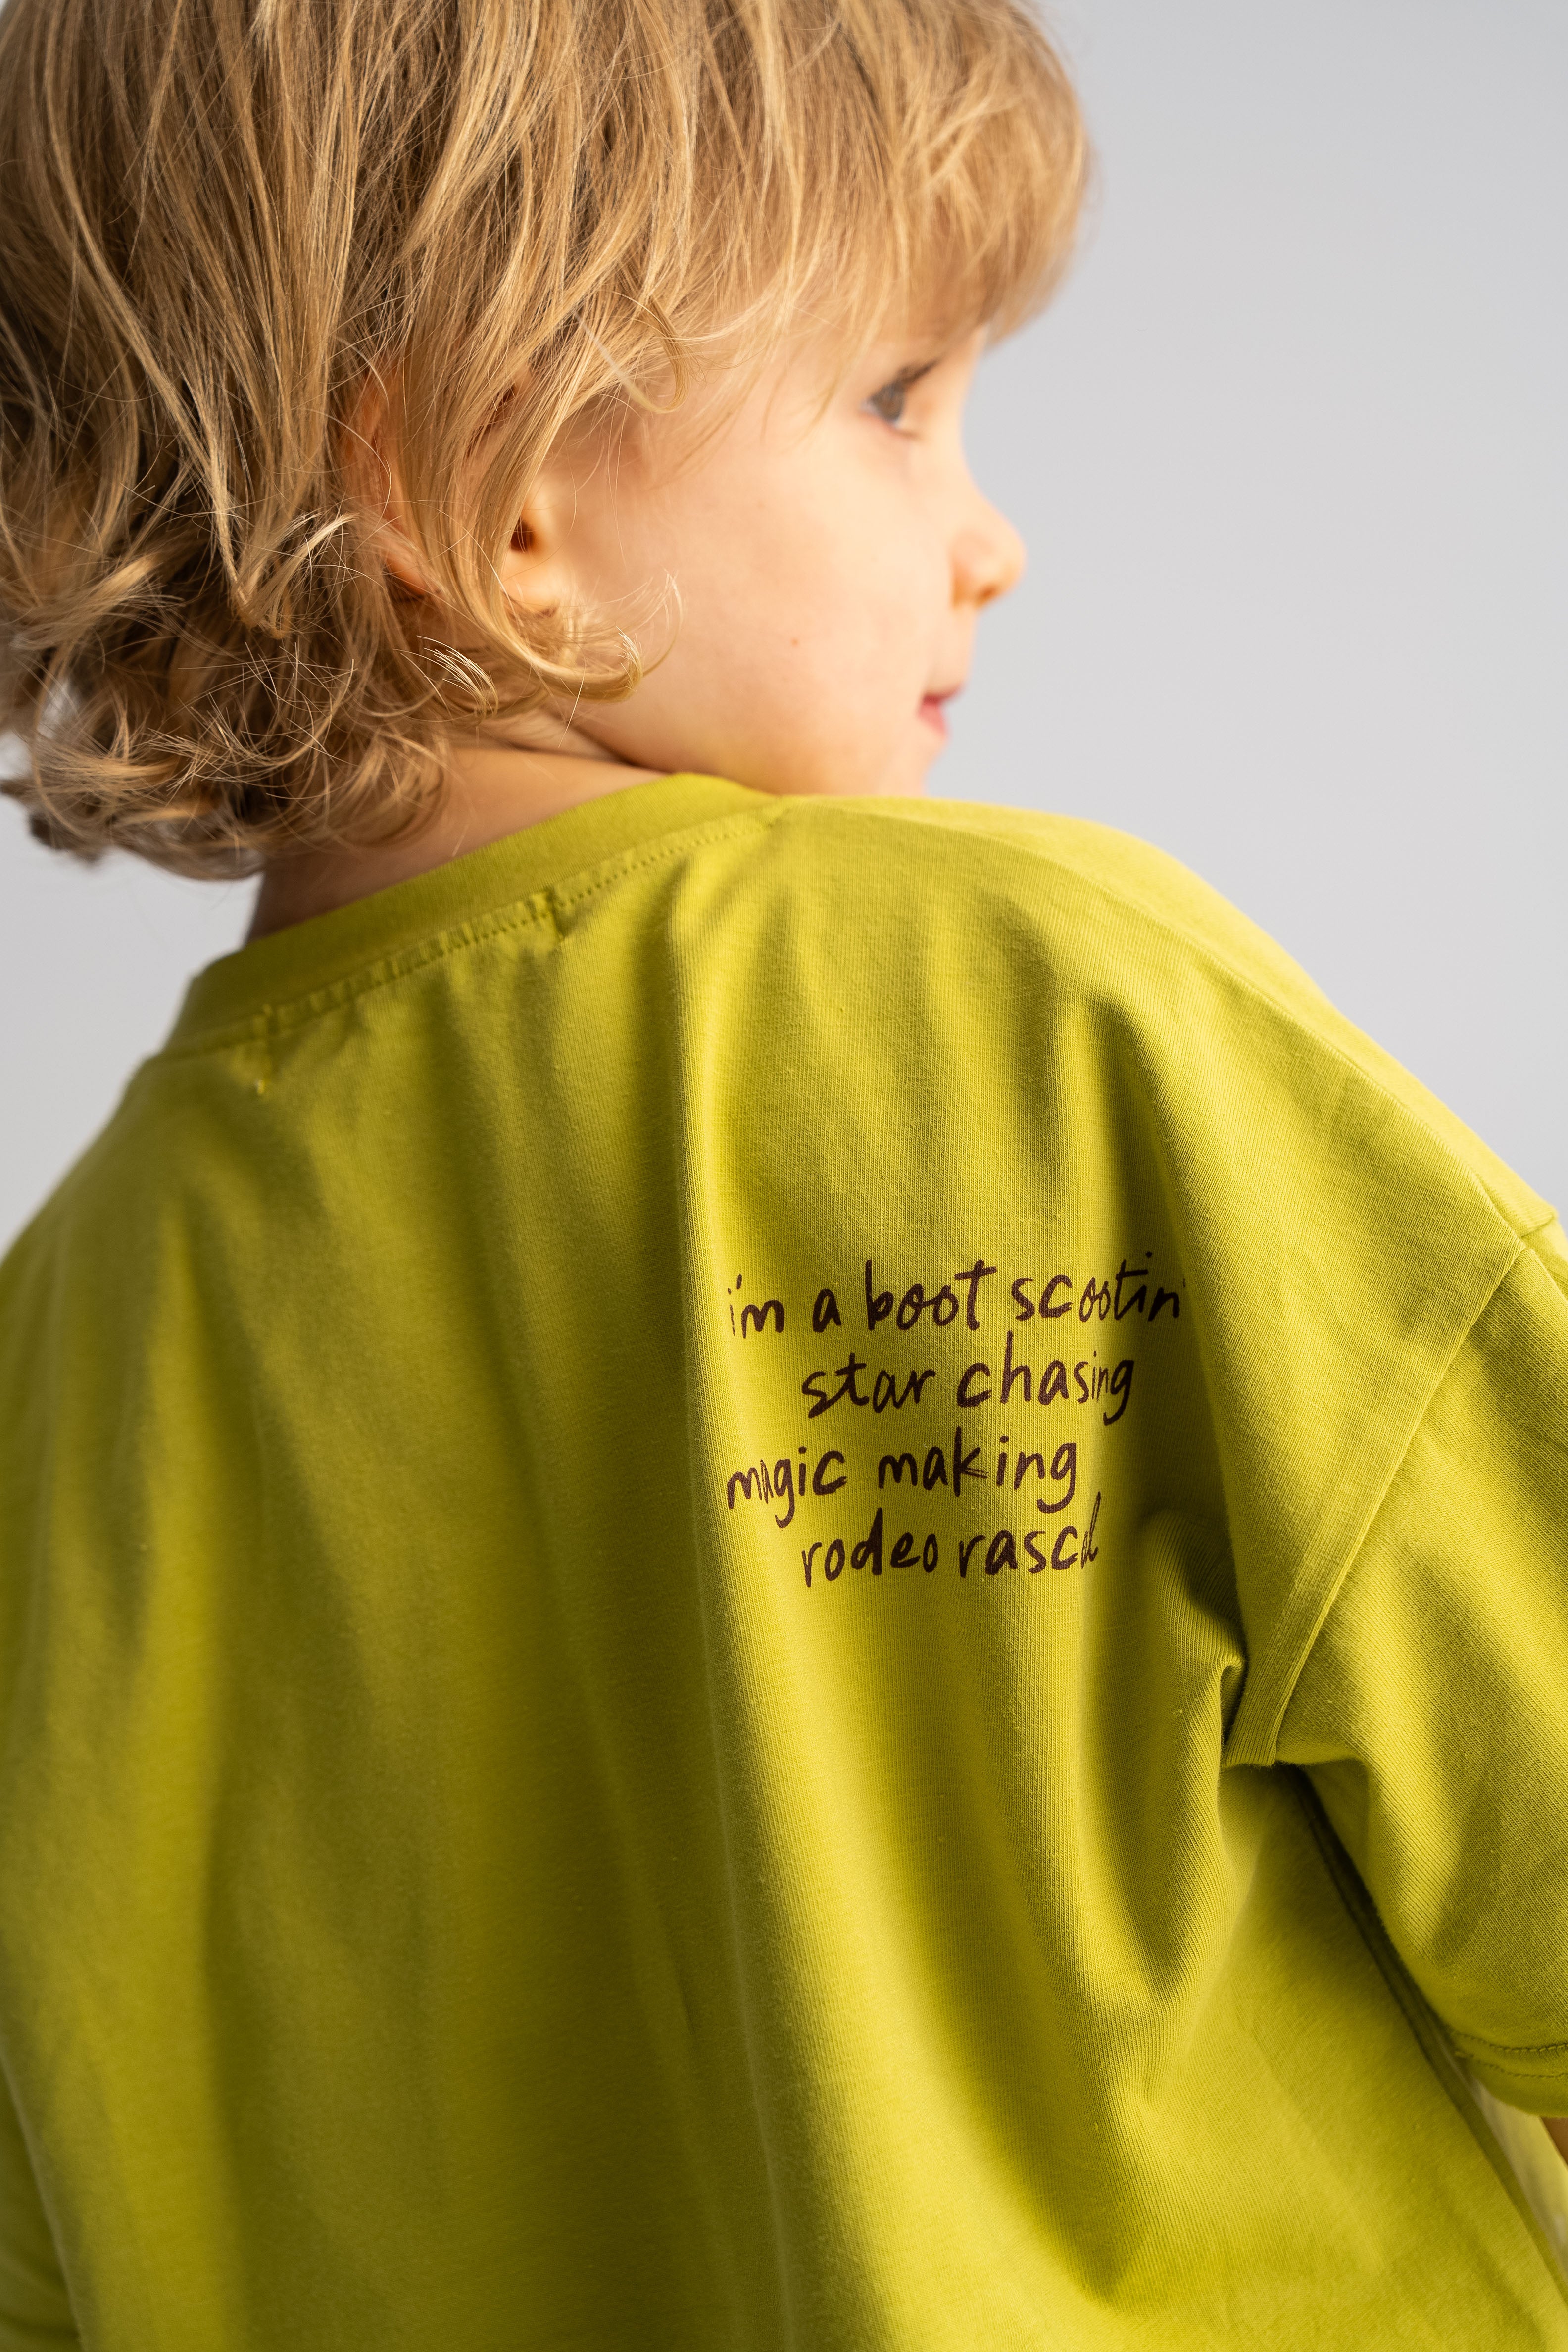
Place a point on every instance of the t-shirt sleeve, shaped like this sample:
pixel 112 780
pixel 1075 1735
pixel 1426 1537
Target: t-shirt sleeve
pixel 1432 1712
pixel 35 2310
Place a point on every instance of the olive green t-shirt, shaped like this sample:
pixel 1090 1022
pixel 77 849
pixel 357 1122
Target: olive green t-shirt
pixel 780 1573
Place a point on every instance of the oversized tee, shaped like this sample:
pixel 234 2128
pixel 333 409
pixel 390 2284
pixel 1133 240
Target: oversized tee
pixel 780 1573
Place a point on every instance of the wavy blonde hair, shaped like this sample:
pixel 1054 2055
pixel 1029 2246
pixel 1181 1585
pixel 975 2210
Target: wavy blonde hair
pixel 222 222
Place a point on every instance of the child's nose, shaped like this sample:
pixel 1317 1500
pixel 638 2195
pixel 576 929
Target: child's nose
pixel 988 557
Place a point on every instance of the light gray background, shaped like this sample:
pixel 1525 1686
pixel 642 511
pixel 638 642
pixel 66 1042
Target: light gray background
pixel 1289 455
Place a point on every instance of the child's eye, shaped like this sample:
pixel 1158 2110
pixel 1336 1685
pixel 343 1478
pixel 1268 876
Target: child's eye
pixel 888 401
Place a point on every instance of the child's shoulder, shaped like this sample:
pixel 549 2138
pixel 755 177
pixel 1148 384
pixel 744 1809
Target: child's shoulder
pixel 1103 895
pixel 1123 925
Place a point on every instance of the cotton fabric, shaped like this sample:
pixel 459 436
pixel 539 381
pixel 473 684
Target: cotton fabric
pixel 772 1574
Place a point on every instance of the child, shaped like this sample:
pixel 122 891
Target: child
pixel 777 1566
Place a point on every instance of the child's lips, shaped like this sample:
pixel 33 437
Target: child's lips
pixel 933 714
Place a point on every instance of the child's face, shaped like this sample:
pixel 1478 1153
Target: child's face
pixel 828 566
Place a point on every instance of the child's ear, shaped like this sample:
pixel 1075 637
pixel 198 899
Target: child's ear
pixel 536 565
pixel 533 567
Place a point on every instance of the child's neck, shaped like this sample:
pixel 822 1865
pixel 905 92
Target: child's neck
pixel 495 788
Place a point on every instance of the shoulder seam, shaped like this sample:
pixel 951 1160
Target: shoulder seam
pixel 1353 1553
